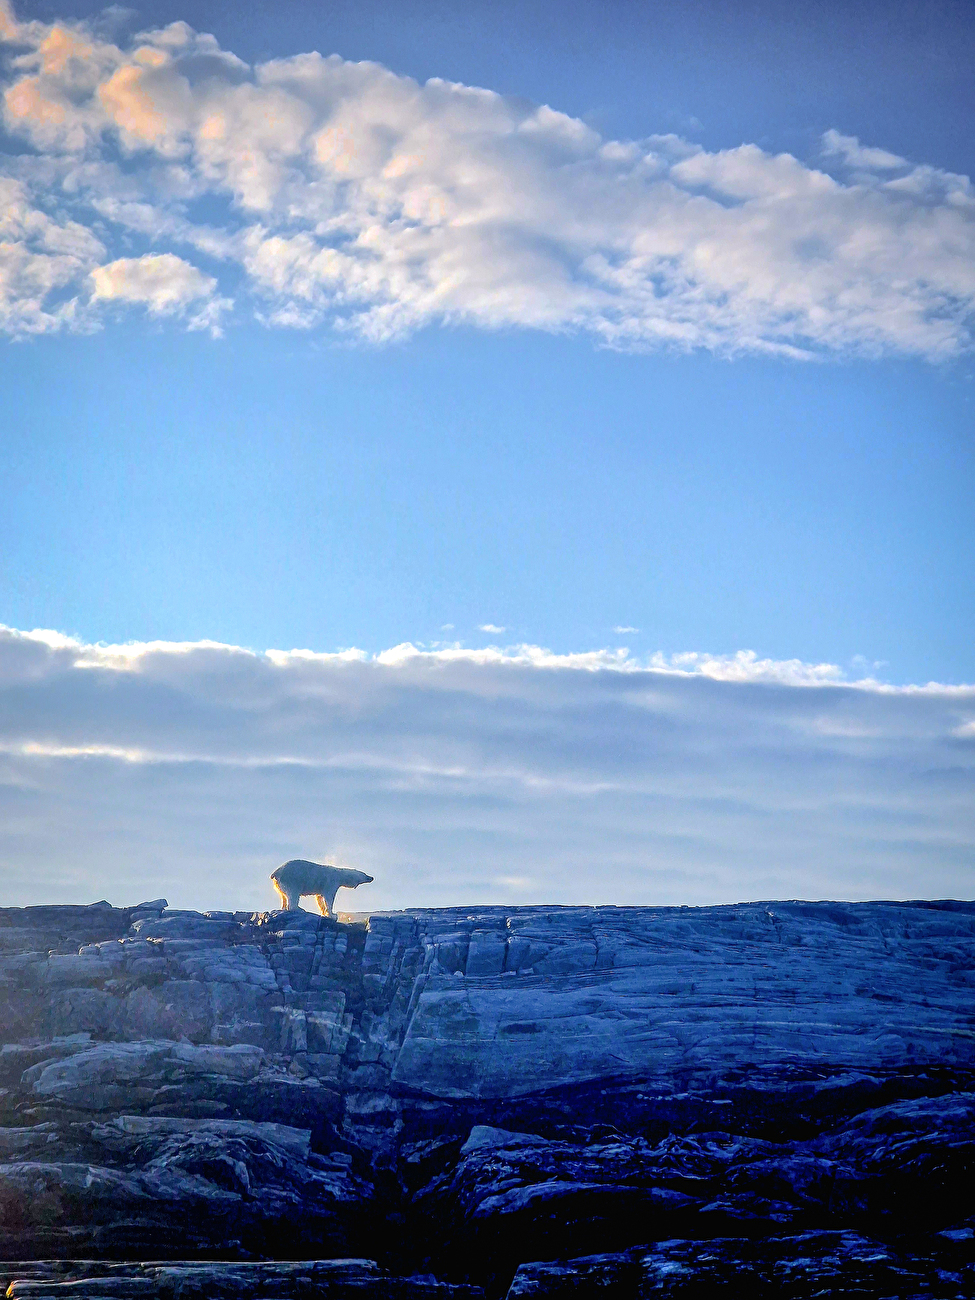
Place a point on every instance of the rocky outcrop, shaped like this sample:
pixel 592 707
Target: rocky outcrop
pixel 814 1264
pixel 455 1102
pixel 332 1279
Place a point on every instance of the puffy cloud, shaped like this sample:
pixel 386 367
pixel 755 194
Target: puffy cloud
pixel 453 775
pixel 351 195
pixel 490 627
pixel 163 283
pixel 42 260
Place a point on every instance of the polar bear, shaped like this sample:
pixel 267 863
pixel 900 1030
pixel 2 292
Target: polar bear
pixel 298 877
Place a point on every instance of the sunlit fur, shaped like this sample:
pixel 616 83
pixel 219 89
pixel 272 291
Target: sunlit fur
pixel 296 878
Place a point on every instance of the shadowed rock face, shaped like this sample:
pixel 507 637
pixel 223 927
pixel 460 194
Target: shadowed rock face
pixel 637 1101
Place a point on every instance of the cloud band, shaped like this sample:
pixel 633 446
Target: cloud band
pixel 193 769
pixel 342 193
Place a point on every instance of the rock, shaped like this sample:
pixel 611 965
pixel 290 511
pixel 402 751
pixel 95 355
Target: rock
pixel 294 1140
pixel 87 1011
pixel 659 994
pixel 332 1279
pixel 515 1192
pixel 92 1078
pixel 183 925
pixel 259 1185
pixel 485 1138
pixel 813 1264
pixel 776 1096
pixel 15 1058
pixel 38 1138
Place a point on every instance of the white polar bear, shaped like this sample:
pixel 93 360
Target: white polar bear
pixel 298 877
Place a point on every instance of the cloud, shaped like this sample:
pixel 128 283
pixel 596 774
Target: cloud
pixel 849 148
pixel 8 23
pixel 455 776
pixel 42 261
pixel 624 630
pixel 164 284
pixel 342 193
pixel 490 627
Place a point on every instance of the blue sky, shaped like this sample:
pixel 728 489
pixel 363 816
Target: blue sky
pixel 645 327
pixel 292 486
pixel 272 489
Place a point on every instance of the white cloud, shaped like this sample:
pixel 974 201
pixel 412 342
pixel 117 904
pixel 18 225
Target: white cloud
pixel 745 666
pixel 849 148
pixel 164 284
pixel 42 260
pixel 623 630
pixel 490 627
pixel 343 193
pixel 474 775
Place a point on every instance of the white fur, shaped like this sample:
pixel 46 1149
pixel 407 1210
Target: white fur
pixel 296 878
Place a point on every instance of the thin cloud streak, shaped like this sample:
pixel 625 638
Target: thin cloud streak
pixel 342 194
pixel 193 769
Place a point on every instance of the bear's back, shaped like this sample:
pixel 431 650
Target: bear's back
pixel 299 873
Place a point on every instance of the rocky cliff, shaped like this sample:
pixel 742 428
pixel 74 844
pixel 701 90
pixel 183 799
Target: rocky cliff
pixel 773 1099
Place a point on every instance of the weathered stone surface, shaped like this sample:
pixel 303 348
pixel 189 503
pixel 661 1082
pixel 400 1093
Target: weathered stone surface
pixel 332 1279
pixel 563 1100
pixel 85 1077
pixel 811 1265
pixel 905 1167
pixel 654 994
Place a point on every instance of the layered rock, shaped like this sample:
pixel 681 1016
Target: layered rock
pixel 331 1279
pixel 475 1098
pixel 815 1264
